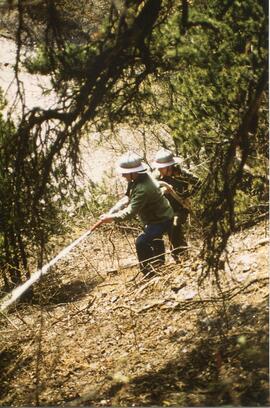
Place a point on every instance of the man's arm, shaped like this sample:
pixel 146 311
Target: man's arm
pixel 122 203
pixel 193 182
pixel 136 202
pixel 169 189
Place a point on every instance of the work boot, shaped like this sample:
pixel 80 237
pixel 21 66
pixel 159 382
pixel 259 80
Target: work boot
pixel 157 264
pixel 176 259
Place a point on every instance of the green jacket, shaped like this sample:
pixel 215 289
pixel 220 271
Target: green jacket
pixel 147 201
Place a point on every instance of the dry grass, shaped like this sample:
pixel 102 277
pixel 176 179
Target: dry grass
pixel 97 333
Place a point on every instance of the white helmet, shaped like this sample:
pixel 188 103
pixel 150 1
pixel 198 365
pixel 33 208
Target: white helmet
pixel 164 158
pixel 130 163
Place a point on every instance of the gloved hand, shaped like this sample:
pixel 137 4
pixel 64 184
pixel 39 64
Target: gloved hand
pixel 105 218
pixel 165 187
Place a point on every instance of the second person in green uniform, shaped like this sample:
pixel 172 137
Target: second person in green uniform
pixel 184 184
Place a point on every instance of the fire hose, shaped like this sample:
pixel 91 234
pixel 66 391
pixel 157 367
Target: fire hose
pixel 184 202
pixel 17 292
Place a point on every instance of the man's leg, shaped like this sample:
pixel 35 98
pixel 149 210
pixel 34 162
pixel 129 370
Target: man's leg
pixel 147 249
pixel 159 250
pixel 177 239
pixel 144 252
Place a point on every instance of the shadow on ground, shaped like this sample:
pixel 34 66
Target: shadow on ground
pixel 51 289
pixel 221 368
pixel 63 293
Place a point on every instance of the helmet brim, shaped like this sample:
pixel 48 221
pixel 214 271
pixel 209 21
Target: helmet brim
pixel 158 165
pixel 122 170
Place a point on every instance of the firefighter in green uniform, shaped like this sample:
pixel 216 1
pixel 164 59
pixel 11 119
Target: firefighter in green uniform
pixel 145 199
pixel 184 184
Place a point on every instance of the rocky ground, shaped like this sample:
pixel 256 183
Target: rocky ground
pixel 96 333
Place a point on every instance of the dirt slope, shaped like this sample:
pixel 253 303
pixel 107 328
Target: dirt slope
pixel 98 334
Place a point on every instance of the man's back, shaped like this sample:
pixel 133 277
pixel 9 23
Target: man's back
pixel 147 201
pixel 147 198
